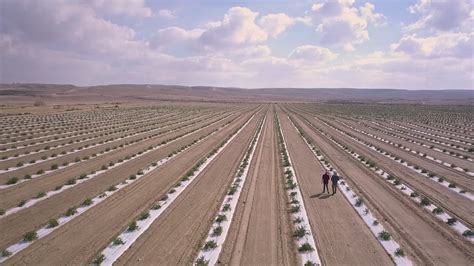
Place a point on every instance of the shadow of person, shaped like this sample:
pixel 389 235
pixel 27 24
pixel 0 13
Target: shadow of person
pixel 316 195
pixel 325 196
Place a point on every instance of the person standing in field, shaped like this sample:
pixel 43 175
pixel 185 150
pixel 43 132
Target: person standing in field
pixel 334 180
pixel 325 182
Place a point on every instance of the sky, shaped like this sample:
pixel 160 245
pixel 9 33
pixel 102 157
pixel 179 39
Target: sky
pixel 404 44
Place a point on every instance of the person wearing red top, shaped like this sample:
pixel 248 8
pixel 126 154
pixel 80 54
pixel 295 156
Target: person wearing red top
pixel 325 182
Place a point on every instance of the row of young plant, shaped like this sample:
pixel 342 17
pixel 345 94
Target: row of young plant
pixel 446 129
pixel 436 135
pixel 401 146
pixel 430 175
pixel 422 200
pixel 88 134
pixel 50 126
pixel 433 140
pixel 54 167
pixel 70 131
pixel 357 202
pixel 136 228
pixel 131 133
pixel 84 177
pixel 31 120
pixel 302 232
pixel 75 211
pixel 212 247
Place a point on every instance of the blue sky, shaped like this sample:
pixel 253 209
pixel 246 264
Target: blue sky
pixel 418 44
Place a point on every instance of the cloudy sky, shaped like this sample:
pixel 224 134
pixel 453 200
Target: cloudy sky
pixel 408 44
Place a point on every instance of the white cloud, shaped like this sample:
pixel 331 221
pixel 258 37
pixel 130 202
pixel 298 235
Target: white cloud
pixel 275 24
pixel 312 54
pixel 167 14
pixel 133 8
pixel 441 15
pixel 236 29
pixel 443 45
pixel 340 23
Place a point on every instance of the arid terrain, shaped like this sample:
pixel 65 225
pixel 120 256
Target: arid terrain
pixel 181 176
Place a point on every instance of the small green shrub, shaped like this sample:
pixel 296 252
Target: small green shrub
pixel 99 259
pixel 384 236
pixel 144 215
pixel 11 181
pixel 211 244
pixel 71 211
pixel 300 232
pixel 425 201
pixel 132 226
pixel 306 247
pixel 30 236
pixel 201 261
pixel 118 241
pixel 52 223
pixel 437 210
pixel 220 218
pixel 87 202
pixel 452 221
pixel 217 231
pixel 399 253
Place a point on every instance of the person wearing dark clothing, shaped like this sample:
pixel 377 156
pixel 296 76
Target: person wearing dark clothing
pixel 334 180
pixel 325 182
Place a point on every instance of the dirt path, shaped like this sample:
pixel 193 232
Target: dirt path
pixel 342 237
pixel 260 233
pixel 428 241
pixel 94 229
pixel 176 236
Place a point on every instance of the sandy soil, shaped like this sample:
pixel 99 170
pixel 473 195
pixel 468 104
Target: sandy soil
pixel 428 241
pixel 11 196
pixel 260 233
pixel 173 240
pixel 342 237
pixel 96 228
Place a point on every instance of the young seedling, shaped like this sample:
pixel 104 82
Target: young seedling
pixel 384 236
pixel 11 181
pixel 300 232
pixel 87 202
pixel 399 253
pixel 211 244
pixel 452 221
pixel 201 261
pixel 52 223
pixel 425 201
pixel 99 259
pixel 132 226
pixel 30 236
pixel 118 241
pixel 306 247
pixel 437 210
pixel 144 215
pixel 5 253
pixel 220 218
pixel 217 231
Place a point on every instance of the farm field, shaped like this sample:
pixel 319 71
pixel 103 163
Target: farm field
pixel 205 183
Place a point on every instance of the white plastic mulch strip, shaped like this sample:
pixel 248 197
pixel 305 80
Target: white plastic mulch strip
pixel 457 226
pixel 408 149
pixel 298 212
pixel 442 182
pixel 46 230
pixel 112 252
pixel 228 207
pixel 3 186
pixel 78 181
pixel 391 246
pixel 11 169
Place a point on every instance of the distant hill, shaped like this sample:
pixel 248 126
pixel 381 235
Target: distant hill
pixel 130 92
